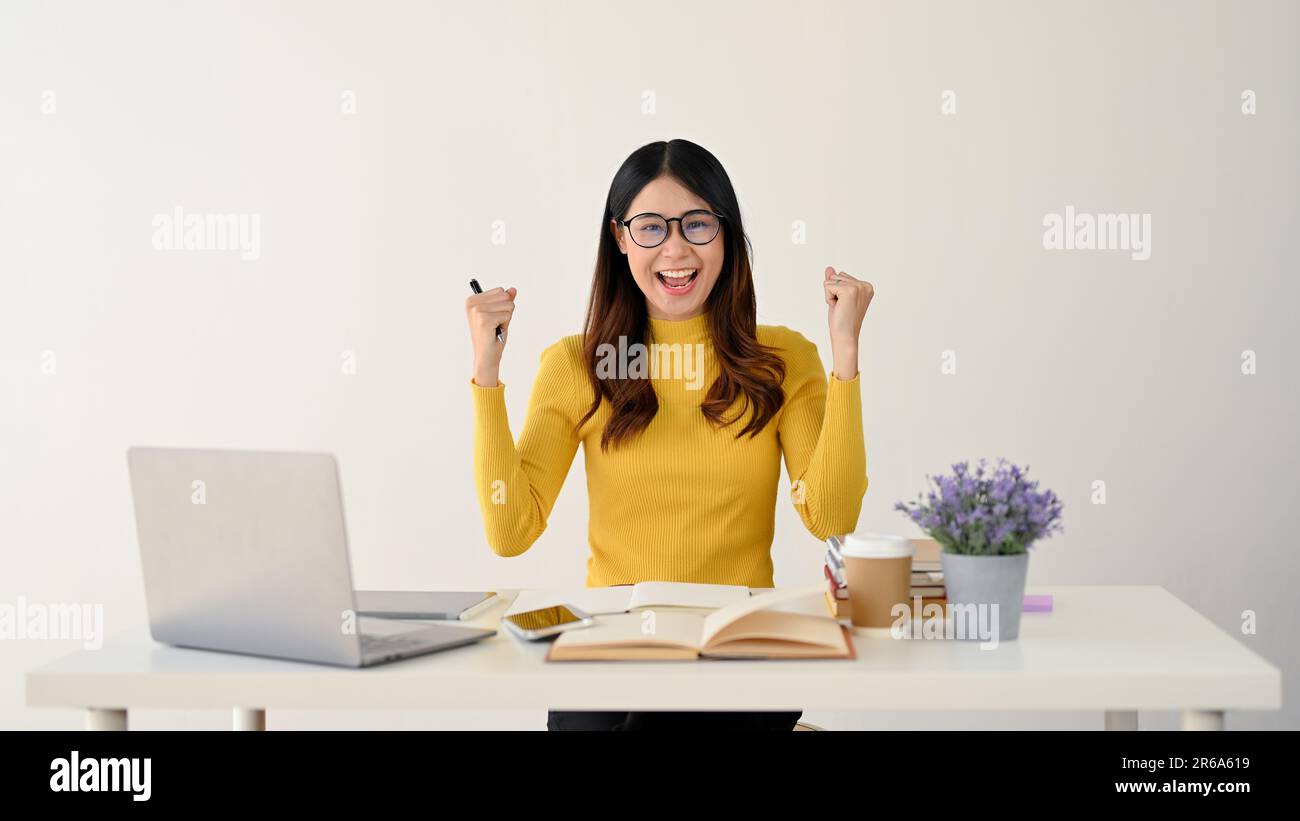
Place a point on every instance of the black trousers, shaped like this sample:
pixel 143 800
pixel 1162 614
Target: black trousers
pixel 668 720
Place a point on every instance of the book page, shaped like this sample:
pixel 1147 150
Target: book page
pixel 595 600
pixel 810 605
pixel 663 627
pixel 687 594
pixel 779 628
pixel 719 619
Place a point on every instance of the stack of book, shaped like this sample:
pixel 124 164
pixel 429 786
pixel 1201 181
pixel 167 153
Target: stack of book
pixel 927 576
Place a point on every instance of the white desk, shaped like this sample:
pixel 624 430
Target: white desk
pixel 1114 649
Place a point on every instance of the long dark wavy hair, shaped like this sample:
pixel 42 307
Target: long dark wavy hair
pixel 617 307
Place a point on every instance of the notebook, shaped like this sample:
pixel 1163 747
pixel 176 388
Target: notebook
pixel 785 623
pixel 622 598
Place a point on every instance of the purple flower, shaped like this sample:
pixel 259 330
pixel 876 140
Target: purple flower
pixel 995 514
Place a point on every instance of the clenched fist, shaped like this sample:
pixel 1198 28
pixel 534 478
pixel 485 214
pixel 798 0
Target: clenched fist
pixel 485 312
pixel 847 300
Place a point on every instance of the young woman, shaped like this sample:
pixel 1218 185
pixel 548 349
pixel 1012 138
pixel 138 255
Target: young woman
pixel 682 466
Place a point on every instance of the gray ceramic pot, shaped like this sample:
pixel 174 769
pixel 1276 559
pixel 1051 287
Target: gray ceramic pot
pixel 987 580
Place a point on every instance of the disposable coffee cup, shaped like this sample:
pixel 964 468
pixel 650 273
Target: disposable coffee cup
pixel 878 571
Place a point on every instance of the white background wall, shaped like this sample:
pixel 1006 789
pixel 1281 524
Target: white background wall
pixel 1086 365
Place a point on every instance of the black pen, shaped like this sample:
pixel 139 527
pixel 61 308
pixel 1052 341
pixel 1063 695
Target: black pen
pixel 473 283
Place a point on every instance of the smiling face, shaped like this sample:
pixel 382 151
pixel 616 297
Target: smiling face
pixel 692 269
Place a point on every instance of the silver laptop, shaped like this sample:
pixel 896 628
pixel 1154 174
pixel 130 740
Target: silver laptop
pixel 246 552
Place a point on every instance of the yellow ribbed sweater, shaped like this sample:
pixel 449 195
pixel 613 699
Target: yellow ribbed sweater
pixel 683 501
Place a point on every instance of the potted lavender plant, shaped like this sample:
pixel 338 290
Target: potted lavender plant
pixel 986 526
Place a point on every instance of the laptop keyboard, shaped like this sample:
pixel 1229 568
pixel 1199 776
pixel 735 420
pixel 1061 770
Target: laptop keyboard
pixel 372 644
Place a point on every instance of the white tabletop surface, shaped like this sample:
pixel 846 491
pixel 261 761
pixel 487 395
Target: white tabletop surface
pixel 1101 647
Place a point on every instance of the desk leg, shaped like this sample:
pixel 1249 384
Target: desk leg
pixel 246 719
pixel 1121 720
pixel 104 718
pixel 1202 719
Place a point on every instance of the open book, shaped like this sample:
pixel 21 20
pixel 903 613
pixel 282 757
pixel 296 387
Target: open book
pixel 786 623
pixel 622 598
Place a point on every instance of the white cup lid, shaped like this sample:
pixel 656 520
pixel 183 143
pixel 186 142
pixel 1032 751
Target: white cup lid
pixel 876 546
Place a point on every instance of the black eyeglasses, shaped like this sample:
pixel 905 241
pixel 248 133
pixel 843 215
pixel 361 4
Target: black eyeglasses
pixel 697 227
